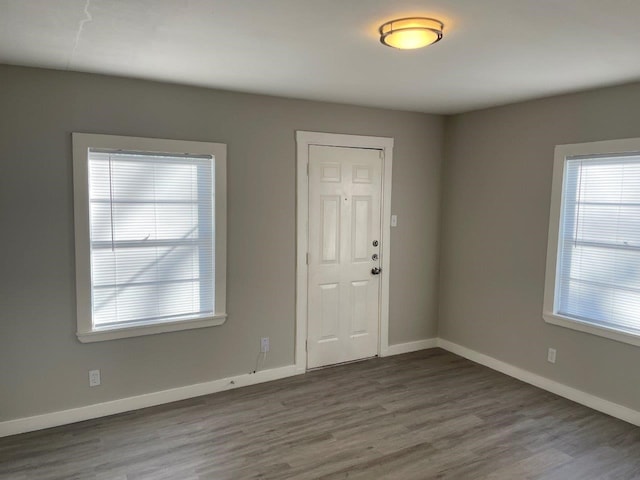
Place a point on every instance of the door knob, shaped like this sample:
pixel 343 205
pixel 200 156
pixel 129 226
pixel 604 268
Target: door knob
pixel 376 271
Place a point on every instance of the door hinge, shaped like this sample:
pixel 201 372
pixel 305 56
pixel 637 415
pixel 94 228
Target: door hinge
pixel 307 169
pixel 306 345
pixel 307 258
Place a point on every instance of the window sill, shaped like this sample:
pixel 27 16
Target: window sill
pixel 586 327
pixel 139 330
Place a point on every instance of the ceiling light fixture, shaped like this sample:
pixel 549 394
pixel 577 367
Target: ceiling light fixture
pixel 410 33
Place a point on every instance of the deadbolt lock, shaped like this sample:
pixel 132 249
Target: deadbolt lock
pixel 375 243
pixel 374 256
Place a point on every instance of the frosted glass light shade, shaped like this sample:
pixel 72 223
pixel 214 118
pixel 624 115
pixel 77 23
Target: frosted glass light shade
pixel 411 33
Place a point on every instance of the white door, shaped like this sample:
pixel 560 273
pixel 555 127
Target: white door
pixel 345 186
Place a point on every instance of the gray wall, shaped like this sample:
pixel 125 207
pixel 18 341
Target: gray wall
pixel 495 192
pixel 43 367
pixel 496 196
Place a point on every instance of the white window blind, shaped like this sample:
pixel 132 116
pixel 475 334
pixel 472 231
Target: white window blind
pixel 152 231
pixel 598 272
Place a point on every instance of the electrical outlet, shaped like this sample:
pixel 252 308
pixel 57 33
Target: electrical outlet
pixel 94 378
pixel 394 220
pixel 264 344
pixel 551 355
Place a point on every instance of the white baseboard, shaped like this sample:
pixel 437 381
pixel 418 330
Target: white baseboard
pixel 578 396
pixel 54 419
pixel 408 347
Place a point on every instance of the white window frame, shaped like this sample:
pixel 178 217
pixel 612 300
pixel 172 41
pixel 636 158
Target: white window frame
pixel 562 153
pixel 82 142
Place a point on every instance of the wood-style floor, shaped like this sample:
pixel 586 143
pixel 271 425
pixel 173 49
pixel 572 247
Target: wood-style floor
pixel 423 415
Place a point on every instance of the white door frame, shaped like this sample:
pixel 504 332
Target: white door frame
pixel 303 141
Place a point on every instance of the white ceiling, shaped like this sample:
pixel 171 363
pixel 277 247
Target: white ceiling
pixel 493 51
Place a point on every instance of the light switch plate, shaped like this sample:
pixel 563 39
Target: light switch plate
pixel 394 220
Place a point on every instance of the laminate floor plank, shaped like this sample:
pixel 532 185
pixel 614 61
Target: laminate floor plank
pixel 423 415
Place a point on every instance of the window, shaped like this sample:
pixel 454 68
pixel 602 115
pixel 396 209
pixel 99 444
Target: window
pixel 150 220
pixel 593 259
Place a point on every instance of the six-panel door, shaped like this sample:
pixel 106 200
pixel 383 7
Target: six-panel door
pixel 345 187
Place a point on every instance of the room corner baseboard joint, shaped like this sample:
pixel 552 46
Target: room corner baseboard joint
pixel 400 348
